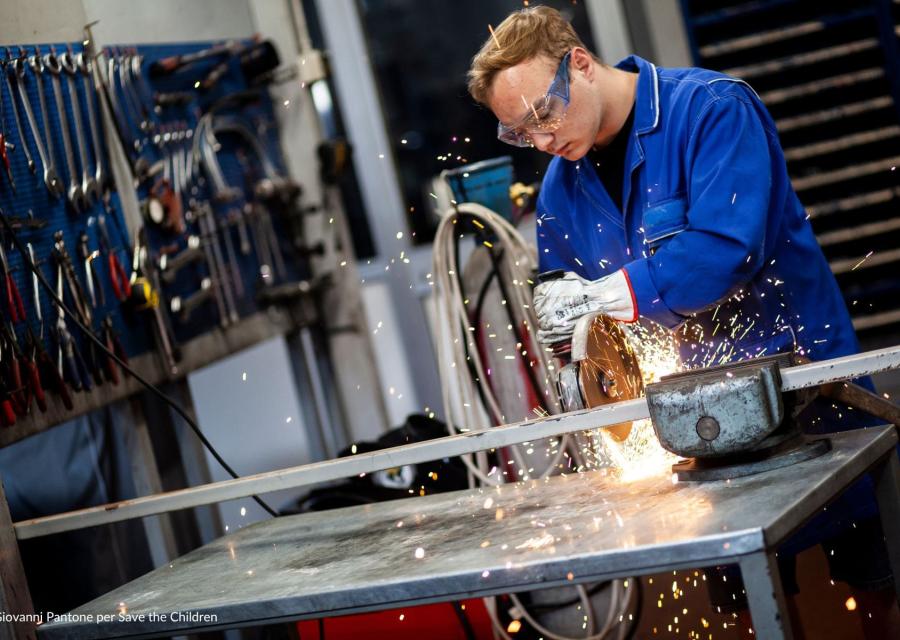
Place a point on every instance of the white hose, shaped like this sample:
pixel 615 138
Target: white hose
pixel 478 408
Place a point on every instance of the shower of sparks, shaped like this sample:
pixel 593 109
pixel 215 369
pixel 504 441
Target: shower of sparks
pixel 640 454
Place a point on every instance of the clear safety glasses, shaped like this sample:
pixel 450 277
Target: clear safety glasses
pixel 546 116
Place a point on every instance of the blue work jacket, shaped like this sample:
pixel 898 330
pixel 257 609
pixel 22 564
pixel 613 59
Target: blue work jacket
pixel 712 236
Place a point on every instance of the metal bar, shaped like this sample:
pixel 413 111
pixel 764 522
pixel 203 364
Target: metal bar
pixel 777 96
pixel 808 375
pixel 766 596
pixel 874 320
pixel 802 59
pixel 853 203
pixel 833 113
pixel 760 39
pixel 857 233
pixel 887 490
pixel 844 142
pixel 845 173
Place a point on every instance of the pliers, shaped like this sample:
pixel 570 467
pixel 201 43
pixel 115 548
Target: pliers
pixel 117 275
pixel 71 365
pixel 13 298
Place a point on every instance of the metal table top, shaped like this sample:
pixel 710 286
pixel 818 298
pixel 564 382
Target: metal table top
pixel 518 537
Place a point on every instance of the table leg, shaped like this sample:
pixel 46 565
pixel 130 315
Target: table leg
pixel 887 489
pixel 765 596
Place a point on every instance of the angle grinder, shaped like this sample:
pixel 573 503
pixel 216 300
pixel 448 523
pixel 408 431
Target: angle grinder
pixel 597 366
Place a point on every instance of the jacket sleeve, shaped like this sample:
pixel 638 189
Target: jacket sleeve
pixel 722 245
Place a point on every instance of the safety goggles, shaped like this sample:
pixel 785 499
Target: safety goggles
pixel 546 116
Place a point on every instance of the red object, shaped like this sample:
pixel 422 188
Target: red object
pixel 118 277
pixel 433 621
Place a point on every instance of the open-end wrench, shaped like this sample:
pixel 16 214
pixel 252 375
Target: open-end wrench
pixel 32 166
pixel 217 274
pixel 51 179
pixel 74 194
pixel 126 79
pixel 89 186
pixel 85 66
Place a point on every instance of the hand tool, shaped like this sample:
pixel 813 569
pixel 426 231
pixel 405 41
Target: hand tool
pixel 600 367
pixel 117 276
pixel 12 383
pixel 113 343
pixel 7 410
pixel 92 278
pixel 185 306
pixel 170 265
pixel 131 145
pixel 7 69
pixel 66 270
pixel 237 279
pixel 13 298
pixel 99 183
pixel 89 186
pixel 72 367
pixel 171 64
pixel 145 288
pixel 4 157
pixel 126 78
pixel 47 372
pixel 51 178
pixel 32 372
pixel 75 195
pixel 224 297
pixel 5 145
pixel 41 370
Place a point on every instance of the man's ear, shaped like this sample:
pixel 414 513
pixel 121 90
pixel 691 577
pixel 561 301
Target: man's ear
pixel 583 61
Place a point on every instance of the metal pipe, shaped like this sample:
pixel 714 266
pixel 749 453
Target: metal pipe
pixel 793 378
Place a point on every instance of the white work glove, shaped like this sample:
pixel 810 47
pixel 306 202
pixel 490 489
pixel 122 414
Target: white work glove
pixel 559 303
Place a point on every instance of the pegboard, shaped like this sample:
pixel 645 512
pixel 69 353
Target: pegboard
pixel 32 204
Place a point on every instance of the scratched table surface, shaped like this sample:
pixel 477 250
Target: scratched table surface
pixel 449 546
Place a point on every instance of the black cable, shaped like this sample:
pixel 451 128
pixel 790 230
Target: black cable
pixel 495 264
pixel 464 621
pixel 636 616
pixel 147 384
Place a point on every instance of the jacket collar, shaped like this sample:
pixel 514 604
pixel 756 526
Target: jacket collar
pixel 646 99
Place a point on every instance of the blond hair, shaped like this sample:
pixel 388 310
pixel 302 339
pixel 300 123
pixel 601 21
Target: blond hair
pixel 523 35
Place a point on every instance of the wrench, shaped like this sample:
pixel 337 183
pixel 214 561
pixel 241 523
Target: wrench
pixel 86 67
pixel 126 79
pixel 75 194
pixel 32 166
pixel 217 275
pixel 89 186
pixel 51 179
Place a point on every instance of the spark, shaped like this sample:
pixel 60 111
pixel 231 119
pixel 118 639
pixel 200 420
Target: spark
pixel 850 604
pixel 494 36
pixel 867 256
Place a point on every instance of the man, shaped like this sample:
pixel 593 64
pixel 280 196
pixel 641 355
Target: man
pixel 669 198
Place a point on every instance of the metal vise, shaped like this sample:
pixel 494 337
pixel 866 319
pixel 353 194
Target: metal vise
pixel 719 411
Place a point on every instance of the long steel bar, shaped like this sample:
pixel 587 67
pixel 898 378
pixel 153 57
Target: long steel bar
pixel 799 377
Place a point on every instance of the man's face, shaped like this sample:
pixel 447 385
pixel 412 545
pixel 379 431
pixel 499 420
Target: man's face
pixel 517 91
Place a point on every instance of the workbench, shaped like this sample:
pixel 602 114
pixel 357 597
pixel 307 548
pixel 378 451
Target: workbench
pixel 563 530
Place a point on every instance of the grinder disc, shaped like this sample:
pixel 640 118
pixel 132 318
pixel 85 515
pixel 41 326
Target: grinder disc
pixel 608 370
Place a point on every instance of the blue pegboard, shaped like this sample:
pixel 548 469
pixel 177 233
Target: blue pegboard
pixel 32 198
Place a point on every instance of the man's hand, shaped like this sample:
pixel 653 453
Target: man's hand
pixel 559 303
